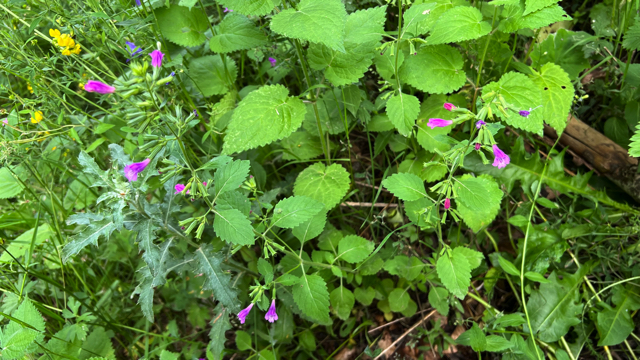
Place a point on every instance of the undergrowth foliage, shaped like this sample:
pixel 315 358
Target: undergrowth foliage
pixel 274 178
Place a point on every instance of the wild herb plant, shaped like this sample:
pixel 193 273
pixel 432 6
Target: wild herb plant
pixel 273 178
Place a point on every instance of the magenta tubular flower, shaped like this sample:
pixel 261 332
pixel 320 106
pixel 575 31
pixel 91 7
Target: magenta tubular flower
pixel 204 183
pixel 449 106
pixel 99 87
pixel 480 123
pixel 179 188
pixel 447 203
pixel 242 315
pixel 477 146
pixel 434 123
pixel 501 159
pixel 271 314
pixel 524 113
pixel 131 171
pixel 156 58
pixel 273 61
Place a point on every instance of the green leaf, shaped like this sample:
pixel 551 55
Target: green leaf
pixel 363 30
pixel 208 262
pixel 301 145
pixel 534 276
pixel 18 338
pixel 145 237
pixel 535 5
pixel 405 267
pixel 168 355
pixel 216 163
pixel 439 300
pixel 18 246
pixel 243 340
pixel 353 249
pixel 292 211
pixel 380 122
pixel 78 196
pixel 431 139
pixel 262 117
pixel 145 291
pixel 102 128
pixel 250 7
pixel 312 297
pixel 266 270
pixel 209 76
pixel 454 272
pixel 310 228
pixel 557 305
pixel 232 226
pixel 458 24
pixel 403 110
pixel 91 168
pixel 562 48
pixel 386 65
pixel 518 91
pixel 230 176
pixel 318 21
pixel 236 32
pixel 478 200
pixel 418 19
pixel 398 300
pixel 475 258
pixel 615 324
pixel 544 17
pixel 407 187
pixel 632 36
pixel 497 343
pixel 434 69
pixel 414 164
pixel 557 95
pixel 342 301
pixel 617 130
pixel 99 343
pixel 182 26
pixel 634 145
pixel 326 184
pixel 508 266
pixel 477 339
pixel 365 296
pixel 89 235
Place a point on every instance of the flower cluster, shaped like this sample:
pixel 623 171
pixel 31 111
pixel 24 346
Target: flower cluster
pixel 37 117
pixel 271 315
pixel 65 41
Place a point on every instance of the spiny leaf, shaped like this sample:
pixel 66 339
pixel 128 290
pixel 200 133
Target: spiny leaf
pixel 219 326
pixel 89 235
pixel 264 116
pixel 208 262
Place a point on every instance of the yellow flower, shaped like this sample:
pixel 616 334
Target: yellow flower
pixel 38 117
pixel 66 52
pixel 54 148
pixel 54 33
pixel 76 49
pixel 29 88
pixel 66 41
pixel 81 86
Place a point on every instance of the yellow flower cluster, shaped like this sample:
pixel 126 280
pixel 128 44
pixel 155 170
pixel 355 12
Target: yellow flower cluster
pixel 38 117
pixel 65 42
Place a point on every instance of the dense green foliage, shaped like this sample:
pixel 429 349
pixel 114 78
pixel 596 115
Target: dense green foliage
pixel 175 173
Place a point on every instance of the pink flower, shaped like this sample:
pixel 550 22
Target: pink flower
pixel 156 58
pixel 273 61
pixel 131 171
pixel 449 106
pixel 447 203
pixel 434 123
pixel 524 113
pixel 5 122
pixel 99 87
pixel 204 183
pixel 242 315
pixel 501 159
pixel 180 188
pixel 271 314
pixel 477 146
pixel 480 123
pixel 227 10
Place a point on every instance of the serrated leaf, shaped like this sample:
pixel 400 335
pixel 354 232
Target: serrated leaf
pixel 312 297
pixel 478 200
pixel 145 291
pixel 219 326
pixel 145 237
pixel 557 306
pixel 535 5
pixel 363 30
pixel 250 7
pixel 262 117
pixel 497 343
pixel 458 24
pixel 208 262
pixel 236 32
pixel 454 272
pixel 99 343
pixel 310 228
pixel 403 110
pixel 477 339
pixel 230 176
pixel 318 21
pixel 562 48
pixel 89 235
pixel 557 95
pixel 232 226
pixel 301 145
pixel 168 355
pixel 353 249
pixel 17 338
pixel 90 167
pixel 243 340
pixel 519 91
pixel 475 258
pixel 342 301
pixel 182 25
pixel 544 17
pixel 291 212
pixel 326 184
pixel 265 269
pixel 407 187
pixel 615 324
pixel 209 75
pixel 434 69
pixel 439 299
pixel 632 36
pixel 9 186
